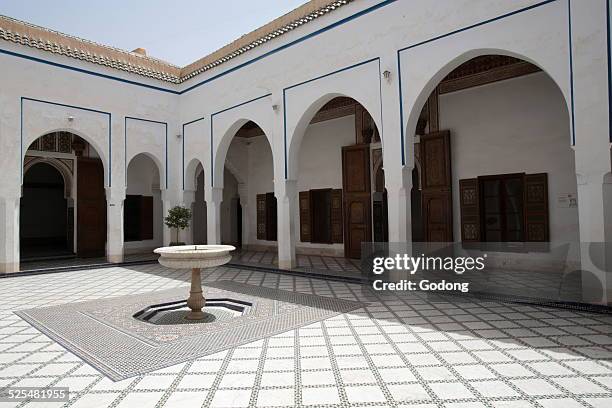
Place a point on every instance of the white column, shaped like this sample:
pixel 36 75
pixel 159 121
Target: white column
pixel 188 201
pixel 398 175
pixel 114 225
pixel 9 235
pixel 589 113
pixel 169 235
pixel 243 192
pixel 596 282
pixel 399 205
pixel 286 202
pixel 214 197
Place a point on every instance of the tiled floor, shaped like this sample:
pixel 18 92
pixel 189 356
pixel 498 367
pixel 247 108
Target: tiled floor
pixel 412 350
pixel 316 264
pixel 81 262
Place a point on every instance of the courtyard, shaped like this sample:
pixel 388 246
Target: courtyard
pixel 413 350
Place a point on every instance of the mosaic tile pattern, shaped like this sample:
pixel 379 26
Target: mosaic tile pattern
pixel 315 264
pixel 97 329
pixel 396 352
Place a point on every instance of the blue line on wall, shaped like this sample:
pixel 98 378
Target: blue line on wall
pixel 249 62
pixel 609 69
pixel 571 68
pixel 184 126
pixel 311 80
pixel 512 13
pixel 212 181
pixel 125 142
pixel 24 98
pixel 86 71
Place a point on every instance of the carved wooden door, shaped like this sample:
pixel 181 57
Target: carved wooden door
pixel 91 208
pixel 436 190
pixel 356 198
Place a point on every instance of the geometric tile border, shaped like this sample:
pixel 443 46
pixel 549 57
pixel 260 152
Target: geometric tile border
pixel 104 333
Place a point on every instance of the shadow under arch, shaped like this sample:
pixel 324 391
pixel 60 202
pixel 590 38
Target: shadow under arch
pixel 220 155
pixel 295 141
pixel 192 172
pixel 155 161
pixel 456 62
pixel 65 172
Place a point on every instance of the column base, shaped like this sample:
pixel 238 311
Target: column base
pixel 115 258
pixel 287 264
pixel 9 267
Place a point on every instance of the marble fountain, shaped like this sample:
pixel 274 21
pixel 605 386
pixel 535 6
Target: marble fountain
pixel 195 257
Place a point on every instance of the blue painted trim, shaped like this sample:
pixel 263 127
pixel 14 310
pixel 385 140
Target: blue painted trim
pixel 571 68
pixel 294 42
pixel 212 165
pixel 249 62
pixel 382 125
pixel 609 69
pixel 312 80
pixel 285 130
pixel 125 119
pixel 512 13
pixel 24 98
pixel 183 137
pixel 401 107
pixel 86 71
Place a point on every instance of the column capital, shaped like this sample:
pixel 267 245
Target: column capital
pixel 213 195
pixel 115 195
pixel 285 188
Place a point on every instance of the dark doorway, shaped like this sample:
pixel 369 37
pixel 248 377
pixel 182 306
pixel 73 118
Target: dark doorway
pixel 44 214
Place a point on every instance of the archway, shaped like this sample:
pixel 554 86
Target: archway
pixel 248 209
pixel 44 217
pixel 199 208
pixel 63 205
pixel 340 178
pixel 142 211
pixel 492 139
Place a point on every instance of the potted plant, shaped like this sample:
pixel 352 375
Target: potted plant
pixel 178 218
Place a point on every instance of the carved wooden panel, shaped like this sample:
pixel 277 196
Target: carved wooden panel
pixel 536 208
pixel 435 160
pixel 357 199
pixel 48 143
pixel 470 210
pixel 305 219
pixel 336 216
pixel 64 142
pixel 91 208
pixel 436 186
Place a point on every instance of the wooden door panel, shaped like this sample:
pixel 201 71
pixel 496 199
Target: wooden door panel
pixel 91 208
pixel 356 198
pixel 436 182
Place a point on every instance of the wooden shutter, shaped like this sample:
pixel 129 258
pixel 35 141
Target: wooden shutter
pixel 356 186
pixel 261 216
pixel 536 207
pixel 470 210
pixel 305 217
pixel 336 216
pixel 436 193
pixel 271 228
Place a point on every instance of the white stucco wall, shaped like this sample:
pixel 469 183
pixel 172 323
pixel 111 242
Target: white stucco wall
pixel 514 126
pixel 429 38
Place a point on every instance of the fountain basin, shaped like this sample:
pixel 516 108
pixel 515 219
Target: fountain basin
pixel 195 257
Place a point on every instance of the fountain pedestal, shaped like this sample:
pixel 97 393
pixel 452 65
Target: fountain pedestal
pixel 195 257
